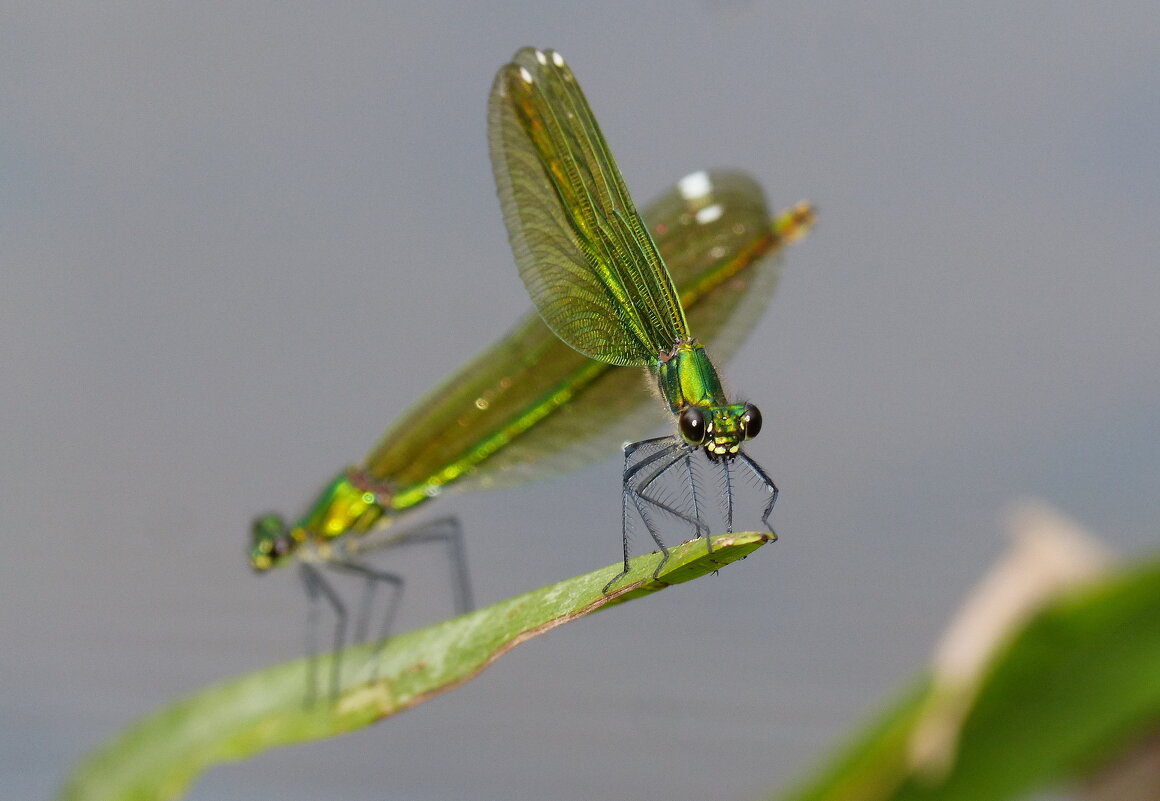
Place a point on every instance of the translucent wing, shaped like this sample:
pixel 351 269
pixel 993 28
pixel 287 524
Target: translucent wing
pixel 713 231
pixel 584 254
pixel 718 218
pixel 529 406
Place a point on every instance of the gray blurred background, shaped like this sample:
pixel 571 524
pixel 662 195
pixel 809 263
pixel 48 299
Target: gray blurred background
pixel 238 240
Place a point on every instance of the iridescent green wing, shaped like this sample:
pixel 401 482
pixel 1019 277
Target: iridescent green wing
pixel 584 254
pixel 721 220
pixel 715 235
pixel 529 406
pixel 473 416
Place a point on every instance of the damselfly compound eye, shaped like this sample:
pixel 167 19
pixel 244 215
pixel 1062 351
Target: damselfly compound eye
pixel 751 421
pixel 692 425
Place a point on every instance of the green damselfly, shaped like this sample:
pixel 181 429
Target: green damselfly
pixel 531 406
pixel 599 281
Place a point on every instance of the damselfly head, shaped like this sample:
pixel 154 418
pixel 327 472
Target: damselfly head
pixel 271 543
pixel 720 430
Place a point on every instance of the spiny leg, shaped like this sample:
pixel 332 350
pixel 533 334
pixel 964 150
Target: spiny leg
pixel 447 530
pixel 767 482
pixel 629 471
pixel 318 588
pixel 444 529
pixel 638 488
pixel 372 578
pixel 727 492
pixel 728 474
pixel 693 495
pixel 640 493
pixel 460 575
pixel 673 452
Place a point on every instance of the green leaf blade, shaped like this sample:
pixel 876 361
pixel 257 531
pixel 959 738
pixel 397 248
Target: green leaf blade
pixel 159 756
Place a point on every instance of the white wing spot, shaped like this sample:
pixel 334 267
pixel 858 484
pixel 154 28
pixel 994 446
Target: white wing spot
pixel 694 185
pixel 710 213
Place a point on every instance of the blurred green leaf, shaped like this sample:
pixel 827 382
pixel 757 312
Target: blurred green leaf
pixel 1079 683
pixel 160 755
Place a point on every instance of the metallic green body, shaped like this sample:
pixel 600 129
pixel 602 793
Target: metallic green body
pixel 686 377
pixel 531 405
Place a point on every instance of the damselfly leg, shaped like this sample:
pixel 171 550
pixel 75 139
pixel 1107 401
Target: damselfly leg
pixel 767 483
pixel 654 458
pixel 350 560
pixel 647 466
